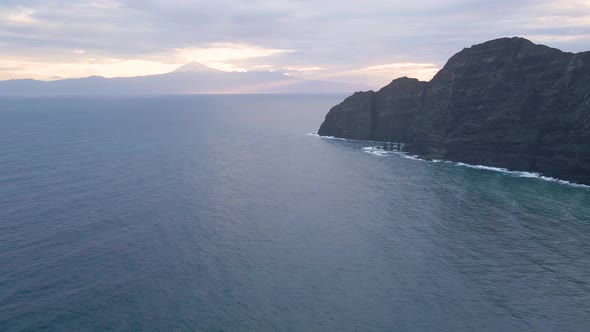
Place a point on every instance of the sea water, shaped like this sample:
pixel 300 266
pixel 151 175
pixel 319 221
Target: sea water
pixel 220 212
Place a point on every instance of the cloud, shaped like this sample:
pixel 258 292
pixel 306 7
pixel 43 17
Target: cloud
pixel 341 37
pixel 421 71
pixel 81 64
pixel 375 75
pixel 398 66
pixel 91 67
pixel 220 55
pixel 304 69
pixel 19 16
pixel 558 39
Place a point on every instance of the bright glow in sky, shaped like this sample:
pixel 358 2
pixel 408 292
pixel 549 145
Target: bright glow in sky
pixel 220 56
pixel 369 42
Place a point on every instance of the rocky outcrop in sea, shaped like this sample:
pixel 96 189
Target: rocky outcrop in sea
pixel 505 103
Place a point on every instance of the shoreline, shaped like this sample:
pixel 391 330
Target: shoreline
pixel 522 174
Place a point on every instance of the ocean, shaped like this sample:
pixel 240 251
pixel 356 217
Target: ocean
pixel 226 212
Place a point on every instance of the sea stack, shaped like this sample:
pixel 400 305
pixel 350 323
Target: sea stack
pixel 504 103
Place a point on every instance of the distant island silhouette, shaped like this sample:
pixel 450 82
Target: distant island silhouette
pixel 190 78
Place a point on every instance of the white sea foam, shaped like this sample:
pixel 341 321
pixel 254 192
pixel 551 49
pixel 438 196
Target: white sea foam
pixel 375 151
pixel 487 168
pixel 382 153
pixel 578 185
pixel 411 157
pixel 342 139
pixel 328 137
pixel 521 174
pixel 336 138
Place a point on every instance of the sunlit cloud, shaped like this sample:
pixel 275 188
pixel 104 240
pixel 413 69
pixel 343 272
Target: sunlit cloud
pixel 376 75
pixel 219 56
pixel 334 40
pixel 304 69
pixel 80 64
pixel 91 67
pixel 385 72
pixel 399 66
pixel 18 16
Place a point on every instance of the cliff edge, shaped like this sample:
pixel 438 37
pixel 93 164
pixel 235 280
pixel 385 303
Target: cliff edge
pixel 504 103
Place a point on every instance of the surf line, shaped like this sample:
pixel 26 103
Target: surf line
pixel 386 149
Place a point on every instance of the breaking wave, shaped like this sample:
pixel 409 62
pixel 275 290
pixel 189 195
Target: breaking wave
pixel 376 151
pixel 522 174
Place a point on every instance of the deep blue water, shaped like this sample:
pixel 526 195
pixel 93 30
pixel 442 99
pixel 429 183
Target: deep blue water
pixel 221 213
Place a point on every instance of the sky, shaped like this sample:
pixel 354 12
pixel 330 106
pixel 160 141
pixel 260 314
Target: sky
pixel 369 42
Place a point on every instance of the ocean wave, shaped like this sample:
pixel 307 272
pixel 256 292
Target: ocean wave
pixel 487 168
pixel 380 152
pixel 330 137
pixel 412 157
pixel 315 134
pixel 523 174
pixel 375 151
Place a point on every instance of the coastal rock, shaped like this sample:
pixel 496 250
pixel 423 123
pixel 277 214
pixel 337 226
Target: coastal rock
pixel 504 103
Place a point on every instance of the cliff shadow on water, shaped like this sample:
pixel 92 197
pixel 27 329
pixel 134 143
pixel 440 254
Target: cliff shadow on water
pixel 506 103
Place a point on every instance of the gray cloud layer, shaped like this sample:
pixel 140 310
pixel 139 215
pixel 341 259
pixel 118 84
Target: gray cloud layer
pixel 339 37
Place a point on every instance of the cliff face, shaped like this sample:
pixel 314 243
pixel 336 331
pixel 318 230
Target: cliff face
pixel 504 103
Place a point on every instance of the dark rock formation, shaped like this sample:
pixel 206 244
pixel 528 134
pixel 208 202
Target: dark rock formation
pixel 505 103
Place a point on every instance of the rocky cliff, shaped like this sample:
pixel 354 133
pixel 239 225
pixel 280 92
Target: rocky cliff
pixel 505 103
